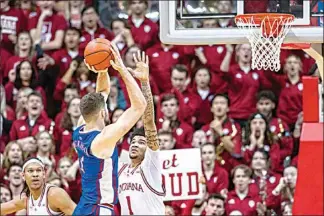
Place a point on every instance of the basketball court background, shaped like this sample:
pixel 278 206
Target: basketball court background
pixel 180 23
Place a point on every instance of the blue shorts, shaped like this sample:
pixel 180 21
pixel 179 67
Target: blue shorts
pixel 94 210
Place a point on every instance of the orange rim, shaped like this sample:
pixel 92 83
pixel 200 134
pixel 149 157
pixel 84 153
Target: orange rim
pixel 295 46
pixel 259 17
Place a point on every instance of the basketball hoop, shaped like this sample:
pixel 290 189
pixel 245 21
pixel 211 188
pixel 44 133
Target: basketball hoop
pixel 295 46
pixel 265 32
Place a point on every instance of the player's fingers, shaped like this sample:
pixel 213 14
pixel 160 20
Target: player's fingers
pixel 115 49
pixel 113 65
pixel 139 56
pixel 143 56
pixel 135 59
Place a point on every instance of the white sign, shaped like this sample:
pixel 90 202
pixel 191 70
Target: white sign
pixel 181 170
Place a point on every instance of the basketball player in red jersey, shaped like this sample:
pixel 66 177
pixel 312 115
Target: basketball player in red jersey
pixel 140 182
pixel 39 198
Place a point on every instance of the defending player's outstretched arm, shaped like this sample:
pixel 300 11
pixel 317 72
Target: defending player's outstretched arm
pixel 104 144
pixel 142 73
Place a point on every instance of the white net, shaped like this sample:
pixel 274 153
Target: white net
pixel 265 39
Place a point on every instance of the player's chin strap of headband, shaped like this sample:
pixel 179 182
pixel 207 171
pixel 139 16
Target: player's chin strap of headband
pixel 33 161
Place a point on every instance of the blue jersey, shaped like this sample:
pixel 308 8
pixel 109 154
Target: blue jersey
pixel 98 176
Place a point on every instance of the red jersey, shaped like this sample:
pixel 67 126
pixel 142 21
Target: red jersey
pixel 63 59
pixel 217 181
pixel 246 206
pixel 13 22
pixel 146 34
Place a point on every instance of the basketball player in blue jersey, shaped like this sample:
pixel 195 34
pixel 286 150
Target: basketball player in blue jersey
pixel 95 143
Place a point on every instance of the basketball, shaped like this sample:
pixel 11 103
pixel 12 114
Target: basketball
pixel 98 54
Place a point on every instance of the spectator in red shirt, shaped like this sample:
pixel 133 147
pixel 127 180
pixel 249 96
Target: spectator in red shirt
pixel 190 101
pixel 26 77
pixel 203 90
pixel 35 121
pixel 290 99
pixel 258 136
pixel 13 154
pixel 285 190
pixel 46 27
pixel 23 51
pixel 123 36
pixel 182 131
pixel 266 102
pixel 22 96
pixel 224 133
pixel 166 140
pixel 243 82
pixel 215 205
pixel 241 199
pixel 144 31
pixel 215 177
pixel 27 7
pixel 91 28
pixel 63 131
pixel 13 21
pixel 5 110
pixel 265 179
pixel 62 58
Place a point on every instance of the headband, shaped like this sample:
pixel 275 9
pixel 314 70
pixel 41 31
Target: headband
pixel 32 161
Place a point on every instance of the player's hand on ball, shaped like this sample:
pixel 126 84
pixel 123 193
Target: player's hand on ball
pixel 142 67
pixel 93 69
pixel 117 63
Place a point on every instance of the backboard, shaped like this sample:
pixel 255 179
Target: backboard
pixel 212 22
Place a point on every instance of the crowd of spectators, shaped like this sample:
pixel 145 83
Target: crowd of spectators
pixel 246 122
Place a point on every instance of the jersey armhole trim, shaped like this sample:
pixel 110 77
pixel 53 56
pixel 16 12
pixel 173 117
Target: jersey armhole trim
pixel 122 169
pixel 150 187
pixel 47 204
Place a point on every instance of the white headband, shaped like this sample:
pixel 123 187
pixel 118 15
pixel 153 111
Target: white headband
pixel 32 161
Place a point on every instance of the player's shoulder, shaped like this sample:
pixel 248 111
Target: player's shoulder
pixel 54 191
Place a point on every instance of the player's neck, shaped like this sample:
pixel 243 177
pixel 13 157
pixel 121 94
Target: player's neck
pixel 36 193
pixel 91 126
pixel 134 163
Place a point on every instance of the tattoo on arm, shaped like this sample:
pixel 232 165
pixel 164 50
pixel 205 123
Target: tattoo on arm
pixel 148 118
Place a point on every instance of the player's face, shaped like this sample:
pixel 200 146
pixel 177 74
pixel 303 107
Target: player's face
pixel 34 175
pixel 291 174
pixel 5 195
pixel 215 207
pixel 137 148
pixel 15 176
pixel 265 106
pixel 170 108
pixel 208 154
pixel 178 80
pixel 71 39
pixel 219 106
pixel 259 162
pixel 202 78
pixel 241 180
pixel 258 125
